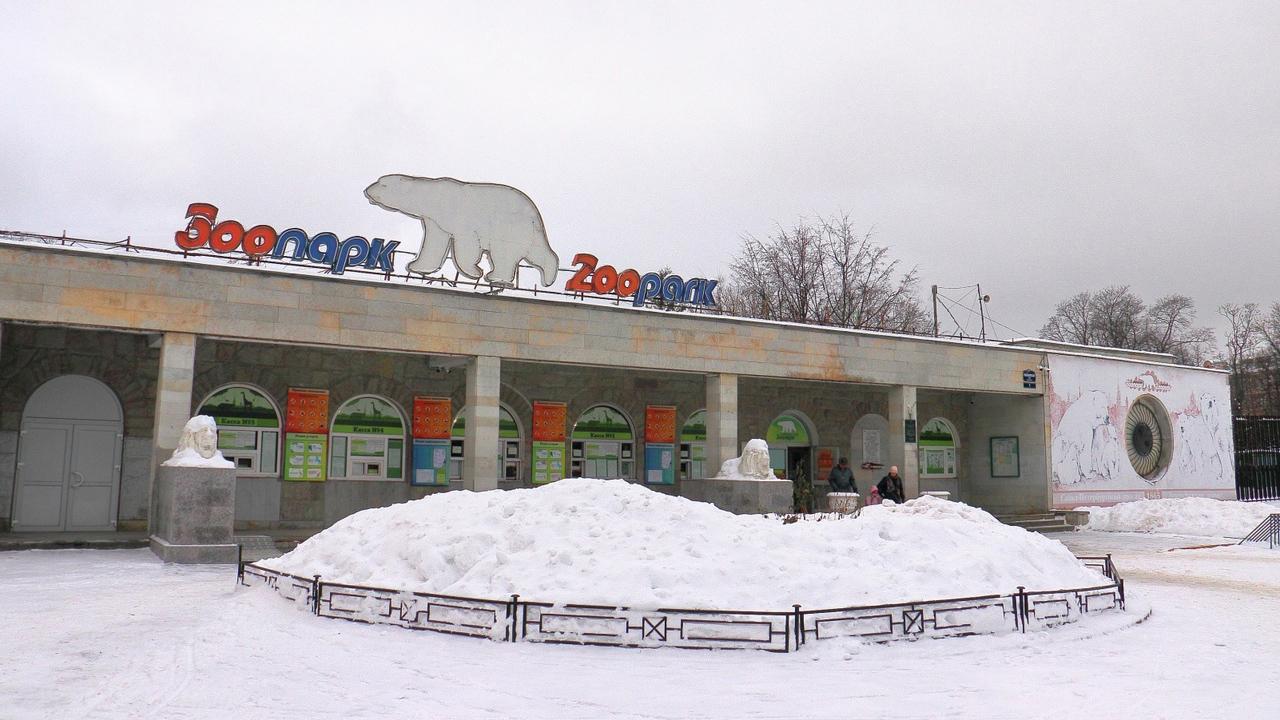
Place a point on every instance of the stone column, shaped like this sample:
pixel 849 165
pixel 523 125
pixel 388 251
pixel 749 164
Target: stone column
pixel 902 407
pixel 173 403
pixel 722 420
pixel 480 453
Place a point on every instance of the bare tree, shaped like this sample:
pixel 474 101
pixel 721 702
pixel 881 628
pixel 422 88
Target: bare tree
pixel 1116 317
pixel 1243 340
pixel 823 272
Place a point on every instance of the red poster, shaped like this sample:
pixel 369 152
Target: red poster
pixel 660 424
pixel 548 421
pixel 826 461
pixel 307 411
pixel 432 418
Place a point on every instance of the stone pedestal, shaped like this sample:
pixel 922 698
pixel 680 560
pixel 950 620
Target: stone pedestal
pixel 742 497
pixel 195 515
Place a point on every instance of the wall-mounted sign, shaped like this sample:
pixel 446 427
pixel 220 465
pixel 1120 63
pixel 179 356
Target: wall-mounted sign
pixel 306 439
pixel 591 277
pixel 909 430
pixel 431 439
pixel 1029 379
pixel 548 441
pixel 323 248
pixel 659 444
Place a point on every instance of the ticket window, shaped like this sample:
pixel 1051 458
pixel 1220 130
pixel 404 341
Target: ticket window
pixel 693 460
pixel 602 459
pixel 508 460
pixel 367 440
pixel 248 428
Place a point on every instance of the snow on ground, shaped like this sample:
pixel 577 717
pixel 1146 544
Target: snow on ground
pixel 117 634
pixel 615 542
pixel 1181 516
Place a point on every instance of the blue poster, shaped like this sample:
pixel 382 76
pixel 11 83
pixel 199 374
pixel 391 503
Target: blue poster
pixel 430 462
pixel 660 463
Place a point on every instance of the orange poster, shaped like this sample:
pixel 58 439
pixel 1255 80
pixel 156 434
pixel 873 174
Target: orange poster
pixel 307 411
pixel 549 421
pixel 432 418
pixel 660 424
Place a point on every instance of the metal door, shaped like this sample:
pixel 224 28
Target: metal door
pixel 69 452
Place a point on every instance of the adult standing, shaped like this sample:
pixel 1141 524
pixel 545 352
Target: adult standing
pixel 890 486
pixel 841 478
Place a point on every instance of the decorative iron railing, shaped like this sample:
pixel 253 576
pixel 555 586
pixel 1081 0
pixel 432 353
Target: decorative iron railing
pixel 1268 531
pixel 1257 452
pixel 517 620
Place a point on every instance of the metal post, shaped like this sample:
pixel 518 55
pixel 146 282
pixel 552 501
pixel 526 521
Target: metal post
pixel 1023 611
pixel 982 314
pixel 239 563
pixel 515 611
pixel 799 616
pixel 315 595
pixel 935 310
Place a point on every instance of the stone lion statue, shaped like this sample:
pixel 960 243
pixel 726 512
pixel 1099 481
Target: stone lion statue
pixel 198 445
pixel 752 465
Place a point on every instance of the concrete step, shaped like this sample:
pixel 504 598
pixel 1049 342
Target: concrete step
pixel 1041 523
pixel 257 547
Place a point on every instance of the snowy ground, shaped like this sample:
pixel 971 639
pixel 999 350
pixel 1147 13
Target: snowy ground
pixel 116 634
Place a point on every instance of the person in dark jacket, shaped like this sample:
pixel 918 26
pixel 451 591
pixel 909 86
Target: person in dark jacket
pixel 890 486
pixel 841 478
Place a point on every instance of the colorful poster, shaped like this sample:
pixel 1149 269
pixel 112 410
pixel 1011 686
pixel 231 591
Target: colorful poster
pixel 659 463
pixel 549 421
pixel 306 442
pixel 307 411
pixel 660 424
pixel 430 462
pixel 826 460
pixel 548 461
pixel 304 455
pixel 431 418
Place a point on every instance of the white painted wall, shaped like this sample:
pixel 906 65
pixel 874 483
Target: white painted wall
pixel 1089 399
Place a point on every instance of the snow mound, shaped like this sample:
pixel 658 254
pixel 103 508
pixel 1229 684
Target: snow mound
pixel 614 542
pixel 1180 516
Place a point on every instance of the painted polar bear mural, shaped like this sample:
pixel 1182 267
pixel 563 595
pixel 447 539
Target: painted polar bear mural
pixel 1086 445
pixel 470 219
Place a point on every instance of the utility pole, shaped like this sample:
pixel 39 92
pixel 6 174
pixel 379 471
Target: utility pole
pixel 935 310
pixel 982 314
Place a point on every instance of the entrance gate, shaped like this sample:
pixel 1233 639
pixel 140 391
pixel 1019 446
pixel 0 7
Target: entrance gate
pixel 69 457
pixel 1257 442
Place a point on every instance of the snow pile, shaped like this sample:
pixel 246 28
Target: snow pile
pixel 614 542
pixel 1181 516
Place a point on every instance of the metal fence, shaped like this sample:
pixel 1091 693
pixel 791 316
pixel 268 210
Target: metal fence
pixel 1268 531
pixel 516 620
pixel 1257 443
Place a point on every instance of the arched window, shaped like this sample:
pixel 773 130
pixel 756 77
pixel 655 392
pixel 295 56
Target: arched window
pixel 937 442
pixel 248 428
pixel 603 444
pixel 693 446
pixel 509 439
pixel 789 441
pixel 366 441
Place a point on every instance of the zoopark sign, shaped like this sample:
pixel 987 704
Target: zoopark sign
pixel 462 221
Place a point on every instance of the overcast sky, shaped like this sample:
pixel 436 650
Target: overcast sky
pixel 1038 148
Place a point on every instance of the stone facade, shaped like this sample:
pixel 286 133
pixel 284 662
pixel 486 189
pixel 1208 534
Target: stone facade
pixel 31 355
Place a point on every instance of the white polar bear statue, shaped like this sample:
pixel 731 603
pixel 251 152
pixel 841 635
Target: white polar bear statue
pixel 472 219
pixel 752 465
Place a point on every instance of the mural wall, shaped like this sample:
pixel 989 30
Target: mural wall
pixel 1126 431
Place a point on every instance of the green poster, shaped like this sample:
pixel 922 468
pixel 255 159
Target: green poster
pixel 602 423
pixel 368 416
pixel 548 462
pixel 695 428
pixel 787 430
pixel 304 455
pixel 240 406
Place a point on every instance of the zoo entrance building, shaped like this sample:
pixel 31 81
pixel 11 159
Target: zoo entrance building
pixel 333 395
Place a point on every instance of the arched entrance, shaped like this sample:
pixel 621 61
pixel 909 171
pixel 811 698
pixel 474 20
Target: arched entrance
pixel 603 444
pixel 69 457
pixel 791 439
